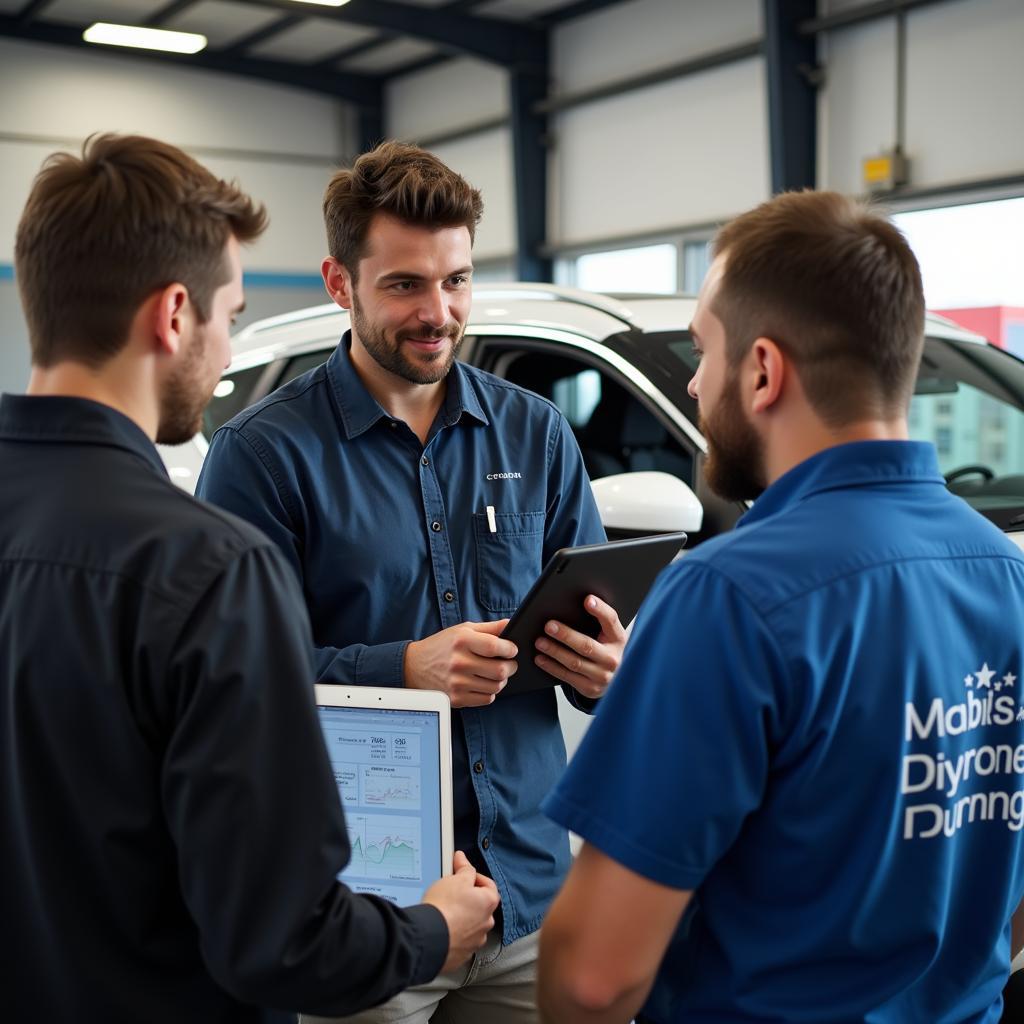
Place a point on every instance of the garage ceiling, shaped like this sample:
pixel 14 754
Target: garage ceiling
pixel 345 51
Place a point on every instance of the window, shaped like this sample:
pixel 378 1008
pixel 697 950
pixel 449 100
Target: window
pixel 231 396
pixel 616 432
pixel 649 268
pixel 300 364
pixel 577 396
pixel 970 255
pixel 696 260
pixel 971 428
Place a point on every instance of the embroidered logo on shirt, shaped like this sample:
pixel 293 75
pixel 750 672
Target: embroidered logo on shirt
pixel 504 476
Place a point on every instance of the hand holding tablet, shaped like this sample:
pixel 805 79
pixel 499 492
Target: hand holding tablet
pixel 618 573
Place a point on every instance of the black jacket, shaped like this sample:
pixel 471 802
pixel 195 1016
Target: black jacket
pixel 170 829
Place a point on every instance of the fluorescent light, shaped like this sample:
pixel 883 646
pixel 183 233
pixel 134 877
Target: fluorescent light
pixel 144 38
pixel 323 3
pixel 224 388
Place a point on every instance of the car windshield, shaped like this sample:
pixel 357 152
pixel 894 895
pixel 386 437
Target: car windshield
pixel 968 401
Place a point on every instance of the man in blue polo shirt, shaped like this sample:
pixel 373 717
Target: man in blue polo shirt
pixel 417 499
pixel 803 796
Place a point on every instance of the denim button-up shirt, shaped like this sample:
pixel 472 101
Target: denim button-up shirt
pixel 392 543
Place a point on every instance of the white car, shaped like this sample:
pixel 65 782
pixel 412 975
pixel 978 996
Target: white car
pixel 618 367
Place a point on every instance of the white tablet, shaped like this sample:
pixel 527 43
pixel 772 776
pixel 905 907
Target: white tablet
pixel 391 751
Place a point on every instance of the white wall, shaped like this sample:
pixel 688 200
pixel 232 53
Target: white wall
pixel 965 94
pixel 645 161
pixel 61 94
pixel 657 159
pixel 281 144
pixel 450 97
pixel 689 151
pixel 636 37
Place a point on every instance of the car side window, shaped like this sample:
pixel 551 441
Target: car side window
pixel 616 432
pixel 232 394
pixel 301 364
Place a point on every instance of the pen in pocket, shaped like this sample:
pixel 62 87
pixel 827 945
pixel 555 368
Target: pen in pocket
pixel 491 524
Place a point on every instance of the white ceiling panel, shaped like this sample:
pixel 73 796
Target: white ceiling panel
pixel 222 22
pixel 312 39
pixel 85 12
pixel 519 10
pixel 389 56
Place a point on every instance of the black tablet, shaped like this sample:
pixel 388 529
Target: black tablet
pixel 619 572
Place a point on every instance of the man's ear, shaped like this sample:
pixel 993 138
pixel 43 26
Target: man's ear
pixel 169 315
pixel 767 372
pixel 337 281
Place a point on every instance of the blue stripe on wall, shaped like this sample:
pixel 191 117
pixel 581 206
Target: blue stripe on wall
pixel 274 279
pixel 256 279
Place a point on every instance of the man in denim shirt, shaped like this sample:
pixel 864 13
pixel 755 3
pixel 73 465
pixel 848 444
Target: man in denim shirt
pixel 418 499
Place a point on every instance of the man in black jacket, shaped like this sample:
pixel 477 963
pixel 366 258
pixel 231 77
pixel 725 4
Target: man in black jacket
pixel 170 830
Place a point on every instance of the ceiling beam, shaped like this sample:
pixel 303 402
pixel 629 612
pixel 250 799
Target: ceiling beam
pixel 576 10
pixel 362 90
pixel 508 43
pixel 860 14
pixel 168 11
pixel 31 9
pixel 263 33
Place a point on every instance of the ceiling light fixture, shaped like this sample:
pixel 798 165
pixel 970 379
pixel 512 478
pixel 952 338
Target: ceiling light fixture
pixel 323 3
pixel 144 38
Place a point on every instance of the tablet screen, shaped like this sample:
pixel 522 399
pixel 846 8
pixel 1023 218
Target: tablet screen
pixel 387 766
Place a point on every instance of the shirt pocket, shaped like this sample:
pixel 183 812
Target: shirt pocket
pixel 507 560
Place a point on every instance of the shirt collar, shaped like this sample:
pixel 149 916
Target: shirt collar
pixel 56 418
pixel 857 464
pixel 360 410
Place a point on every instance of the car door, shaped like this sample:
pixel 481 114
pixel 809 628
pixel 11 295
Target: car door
pixel 617 425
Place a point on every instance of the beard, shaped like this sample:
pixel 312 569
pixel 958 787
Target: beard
pixel 734 468
pixel 430 368
pixel 185 395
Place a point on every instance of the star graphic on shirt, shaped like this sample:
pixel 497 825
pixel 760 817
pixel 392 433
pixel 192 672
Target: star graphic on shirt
pixel 1008 680
pixel 985 675
pixel 997 686
pixel 969 680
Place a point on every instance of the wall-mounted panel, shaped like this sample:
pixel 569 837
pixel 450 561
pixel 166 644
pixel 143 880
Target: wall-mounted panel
pixel 856 107
pixel 451 96
pixel 965 91
pixel 964 95
pixel 687 152
pixel 485 160
pixel 635 37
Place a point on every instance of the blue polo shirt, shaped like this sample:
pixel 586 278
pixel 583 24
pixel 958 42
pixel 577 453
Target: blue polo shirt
pixel 818 727
pixel 391 541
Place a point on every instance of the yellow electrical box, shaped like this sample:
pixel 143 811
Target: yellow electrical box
pixel 885 171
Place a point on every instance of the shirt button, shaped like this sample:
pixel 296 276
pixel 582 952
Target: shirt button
pixel 449 596
pixel 478 767
pixel 485 843
pixel 425 461
pixel 393 424
pixel 435 526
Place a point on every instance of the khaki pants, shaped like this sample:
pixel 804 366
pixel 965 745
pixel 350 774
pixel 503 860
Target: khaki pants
pixel 497 986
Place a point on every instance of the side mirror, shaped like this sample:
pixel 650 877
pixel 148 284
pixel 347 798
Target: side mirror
pixel 647 502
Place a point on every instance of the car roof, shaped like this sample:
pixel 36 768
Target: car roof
pixel 552 307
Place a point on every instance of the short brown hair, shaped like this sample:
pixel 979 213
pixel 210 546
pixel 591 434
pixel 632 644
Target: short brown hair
pixel 102 232
pixel 837 286
pixel 403 181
